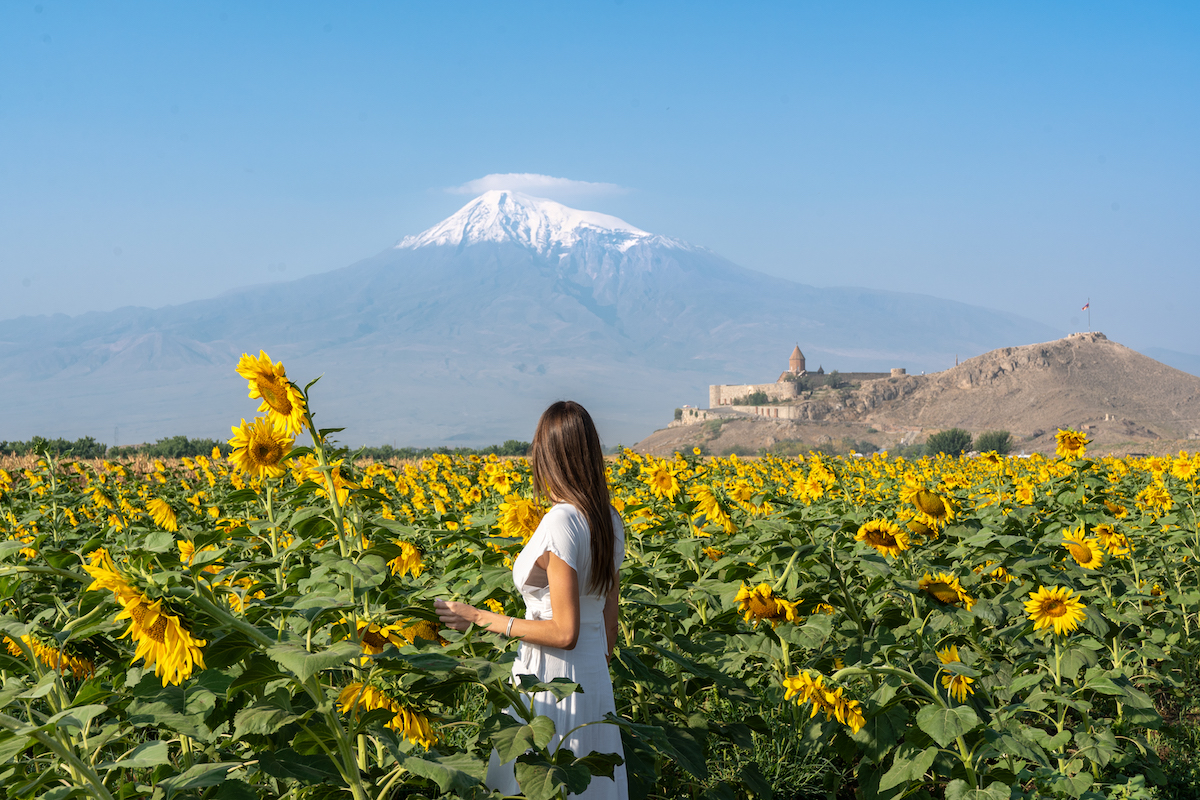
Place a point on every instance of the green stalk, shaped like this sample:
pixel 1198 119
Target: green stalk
pixel 77 768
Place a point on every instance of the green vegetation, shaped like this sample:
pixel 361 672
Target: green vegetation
pixel 753 399
pixel 678 414
pixel 511 447
pixel 994 441
pixel 183 447
pixel 952 442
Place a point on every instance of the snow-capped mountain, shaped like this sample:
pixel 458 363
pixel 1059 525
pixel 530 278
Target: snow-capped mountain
pixel 463 333
pixel 543 225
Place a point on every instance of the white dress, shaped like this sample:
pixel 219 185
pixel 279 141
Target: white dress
pixel 564 532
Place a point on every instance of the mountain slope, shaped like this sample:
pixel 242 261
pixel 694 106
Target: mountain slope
pixel 462 333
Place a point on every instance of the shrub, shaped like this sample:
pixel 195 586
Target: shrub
pixel 952 442
pixel 678 414
pixel 753 399
pixel 997 441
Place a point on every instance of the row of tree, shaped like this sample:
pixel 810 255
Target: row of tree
pixel 956 441
pixel 183 447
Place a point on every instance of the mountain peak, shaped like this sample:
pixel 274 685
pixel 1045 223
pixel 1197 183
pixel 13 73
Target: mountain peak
pixel 542 225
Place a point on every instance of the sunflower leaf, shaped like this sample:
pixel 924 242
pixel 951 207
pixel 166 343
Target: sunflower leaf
pixel 945 725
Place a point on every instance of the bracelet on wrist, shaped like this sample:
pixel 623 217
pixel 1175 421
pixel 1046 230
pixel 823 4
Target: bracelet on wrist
pixel 508 630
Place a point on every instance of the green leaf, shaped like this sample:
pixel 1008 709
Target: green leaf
pixel 958 789
pixel 158 542
pixel 12 745
pixel 199 776
pixel 944 725
pixel 146 754
pixel 77 717
pixel 312 769
pixel 514 740
pixel 1098 747
pixel 813 633
pixel 304 664
pixel 261 719
pixel 561 688
pixel 908 767
pixel 258 670
pixel 540 779
pixel 453 773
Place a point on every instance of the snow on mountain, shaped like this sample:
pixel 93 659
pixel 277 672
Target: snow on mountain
pixel 542 225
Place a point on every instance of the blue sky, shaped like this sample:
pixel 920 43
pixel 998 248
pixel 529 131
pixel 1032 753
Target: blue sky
pixel 1023 156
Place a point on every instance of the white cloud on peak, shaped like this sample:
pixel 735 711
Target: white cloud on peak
pixel 537 185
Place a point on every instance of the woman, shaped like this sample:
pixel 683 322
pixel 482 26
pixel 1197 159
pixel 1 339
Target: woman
pixel 568 576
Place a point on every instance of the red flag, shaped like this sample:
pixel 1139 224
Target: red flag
pixel 1086 306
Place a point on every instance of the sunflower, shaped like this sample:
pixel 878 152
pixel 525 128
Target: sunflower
pixel 1155 499
pixel 1054 607
pixel 411 724
pixel 519 517
pixel 1086 552
pixel 884 536
pixel 806 687
pixel 959 686
pixel 663 483
pixel 1184 467
pixel 409 560
pixel 105 575
pixel 1115 542
pixel 424 629
pixel 259 447
pixel 375 638
pixel 713 553
pixel 282 401
pixel 761 603
pixel 1070 444
pixel 161 640
pixel 1116 509
pixel 52 657
pixel 932 509
pixel 163 515
pixel 945 589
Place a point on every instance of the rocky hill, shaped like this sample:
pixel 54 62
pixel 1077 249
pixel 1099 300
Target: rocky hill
pixel 1125 401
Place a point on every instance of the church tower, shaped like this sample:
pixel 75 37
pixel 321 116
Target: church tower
pixel 796 362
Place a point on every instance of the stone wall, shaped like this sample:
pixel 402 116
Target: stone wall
pixel 727 394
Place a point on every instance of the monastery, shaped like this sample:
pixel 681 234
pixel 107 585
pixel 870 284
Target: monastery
pixel 793 384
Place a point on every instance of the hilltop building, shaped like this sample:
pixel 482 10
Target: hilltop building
pixel 787 386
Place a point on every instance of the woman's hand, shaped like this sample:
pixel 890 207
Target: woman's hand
pixel 457 616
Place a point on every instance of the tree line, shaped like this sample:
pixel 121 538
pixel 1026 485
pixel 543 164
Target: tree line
pixel 183 447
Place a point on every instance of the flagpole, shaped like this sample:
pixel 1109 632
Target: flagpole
pixel 1089 307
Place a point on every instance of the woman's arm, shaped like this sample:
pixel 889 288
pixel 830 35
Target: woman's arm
pixel 562 631
pixel 611 612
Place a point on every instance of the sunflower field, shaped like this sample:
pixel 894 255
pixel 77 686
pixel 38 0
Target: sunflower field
pixel 262 626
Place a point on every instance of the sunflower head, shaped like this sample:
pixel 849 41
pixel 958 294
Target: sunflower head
pixel 519 517
pixel 934 508
pixel 946 589
pixel 884 536
pixel 1055 607
pixel 162 514
pixel 761 603
pixel 663 483
pixel 282 401
pixel 259 447
pixel 1070 444
pixel 1086 552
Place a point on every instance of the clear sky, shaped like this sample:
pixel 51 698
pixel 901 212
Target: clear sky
pixel 1022 156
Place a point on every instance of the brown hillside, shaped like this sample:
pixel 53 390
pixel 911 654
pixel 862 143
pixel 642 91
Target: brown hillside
pixel 1081 380
pixel 1125 401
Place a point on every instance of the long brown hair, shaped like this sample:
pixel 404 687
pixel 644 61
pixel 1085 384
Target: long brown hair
pixel 568 465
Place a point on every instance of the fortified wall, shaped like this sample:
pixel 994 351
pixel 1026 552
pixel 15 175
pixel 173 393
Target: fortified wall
pixel 729 394
pixel 789 387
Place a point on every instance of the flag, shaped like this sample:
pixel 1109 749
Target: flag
pixel 1086 306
